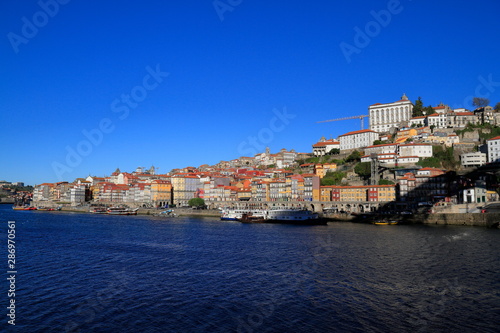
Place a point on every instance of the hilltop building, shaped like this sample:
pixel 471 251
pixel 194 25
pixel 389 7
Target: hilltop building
pixel 383 117
pixel 323 146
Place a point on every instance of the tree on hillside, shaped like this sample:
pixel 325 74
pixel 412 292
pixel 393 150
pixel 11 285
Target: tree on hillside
pixel 363 169
pixel 334 151
pixel 480 102
pixel 497 107
pixel 196 202
pixel 430 162
pixel 429 110
pixel 355 156
pixel 418 108
pixel 333 178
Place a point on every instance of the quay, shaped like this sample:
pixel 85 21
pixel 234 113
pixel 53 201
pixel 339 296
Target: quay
pixel 364 212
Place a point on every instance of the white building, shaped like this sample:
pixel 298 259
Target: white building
pixel 493 149
pixel 461 119
pixel 420 121
pixel 438 120
pixel 383 117
pixel 475 159
pixel 386 148
pixel 43 192
pixel 357 139
pixel 323 146
pixel 415 149
pixel 77 195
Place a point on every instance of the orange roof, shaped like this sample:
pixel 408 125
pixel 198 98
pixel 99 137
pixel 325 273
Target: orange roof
pixel 326 143
pixel 416 144
pixel 357 132
pixel 382 145
pixel 495 138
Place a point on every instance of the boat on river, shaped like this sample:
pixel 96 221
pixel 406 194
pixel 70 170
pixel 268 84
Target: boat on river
pixel 23 208
pixel 285 216
pixel 49 209
pixel 122 211
pixel 238 214
pixel 99 210
pixel 167 213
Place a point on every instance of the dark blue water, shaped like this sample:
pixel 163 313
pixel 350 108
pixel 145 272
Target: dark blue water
pixel 94 273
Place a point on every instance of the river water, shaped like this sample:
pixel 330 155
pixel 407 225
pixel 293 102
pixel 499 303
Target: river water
pixel 99 273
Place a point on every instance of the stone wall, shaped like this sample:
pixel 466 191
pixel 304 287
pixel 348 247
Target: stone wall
pixel 478 219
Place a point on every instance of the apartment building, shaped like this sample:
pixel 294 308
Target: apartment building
pixel 357 139
pixel 493 145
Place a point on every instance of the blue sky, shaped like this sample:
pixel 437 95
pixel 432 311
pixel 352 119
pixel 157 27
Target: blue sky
pixel 89 87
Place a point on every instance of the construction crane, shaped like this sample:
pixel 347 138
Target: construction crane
pixel 346 118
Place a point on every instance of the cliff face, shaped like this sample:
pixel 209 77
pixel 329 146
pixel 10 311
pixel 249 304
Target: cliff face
pixel 470 137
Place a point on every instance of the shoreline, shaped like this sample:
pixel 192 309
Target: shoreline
pixel 488 220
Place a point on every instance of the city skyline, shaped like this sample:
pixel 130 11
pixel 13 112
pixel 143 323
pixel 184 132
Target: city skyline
pixel 88 89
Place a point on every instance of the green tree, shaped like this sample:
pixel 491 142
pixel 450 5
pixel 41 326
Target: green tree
pixel 418 108
pixel 363 169
pixel 378 142
pixel 385 182
pixel 196 202
pixel 429 110
pixel 355 156
pixel 480 102
pixel 497 107
pixel 333 178
pixel 430 162
pixel 334 151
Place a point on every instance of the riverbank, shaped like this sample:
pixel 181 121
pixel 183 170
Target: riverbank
pixel 153 211
pixel 489 220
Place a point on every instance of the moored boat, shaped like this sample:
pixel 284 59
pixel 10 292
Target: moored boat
pixel 237 214
pixel 99 210
pixel 285 216
pixel 23 208
pixel 293 216
pixel 122 211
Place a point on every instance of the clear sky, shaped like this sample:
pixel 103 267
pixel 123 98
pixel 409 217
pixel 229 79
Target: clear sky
pixel 87 87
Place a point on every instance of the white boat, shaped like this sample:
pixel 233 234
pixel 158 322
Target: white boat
pixel 237 214
pixel 122 211
pixel 290 215
pixel 99 210
pixel 287 216
pixel 168 212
